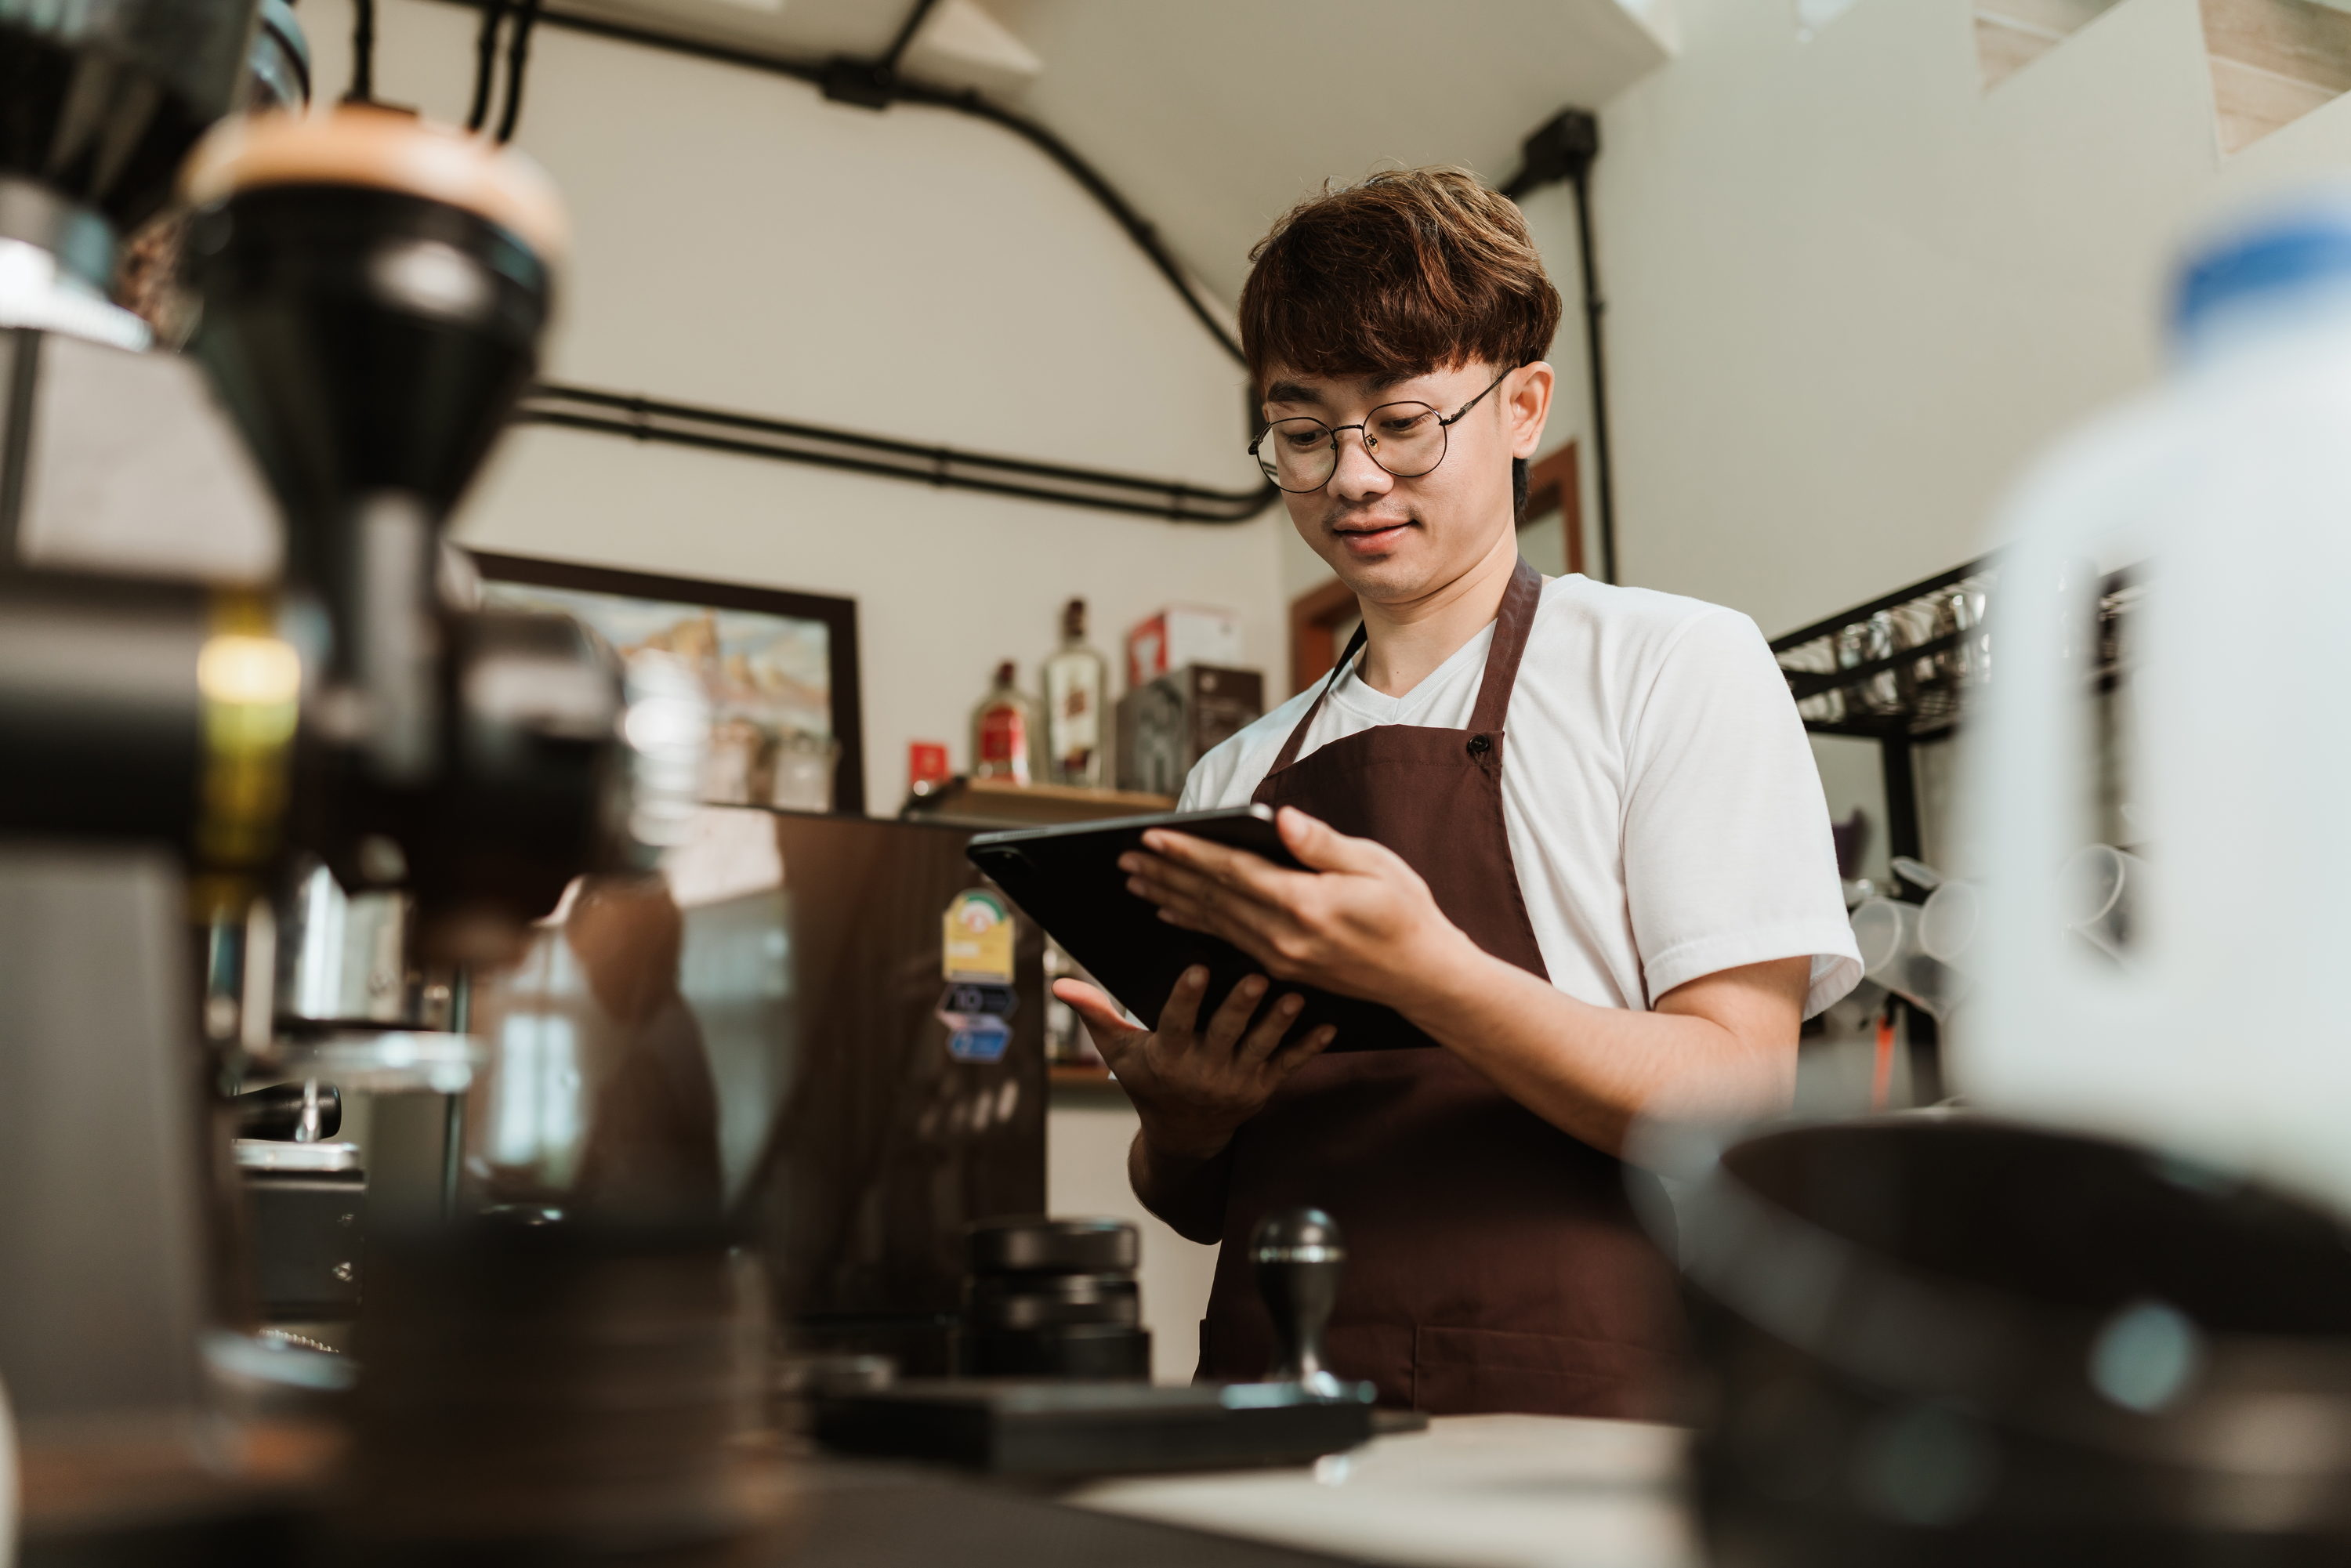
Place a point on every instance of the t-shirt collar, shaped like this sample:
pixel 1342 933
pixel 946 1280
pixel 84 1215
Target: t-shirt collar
pixel 1361 698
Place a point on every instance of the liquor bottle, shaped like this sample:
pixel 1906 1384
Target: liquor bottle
pixel 1001 728
pixel 1077 682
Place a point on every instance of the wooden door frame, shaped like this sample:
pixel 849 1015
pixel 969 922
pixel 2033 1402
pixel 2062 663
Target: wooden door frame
pixel 1316 617
pixel 1556 484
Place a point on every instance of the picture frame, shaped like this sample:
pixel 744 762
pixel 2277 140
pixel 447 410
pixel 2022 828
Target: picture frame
pixel 781 667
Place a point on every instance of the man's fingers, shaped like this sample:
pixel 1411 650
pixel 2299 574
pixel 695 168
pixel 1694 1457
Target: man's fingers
pixel 1318 844
pixel 1301 1051
pixel 1182 1013
pixel 1189 864
pixel 1245 926
pixel 1104 1019
pixel 1258 1047
pixel 1224 1031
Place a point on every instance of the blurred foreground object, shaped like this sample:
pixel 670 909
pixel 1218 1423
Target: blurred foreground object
pixel 1054 1298
pixel 2202 1011
pixel 108 729
pixel 544 1391
pixel 351 753
pixel 1933 1339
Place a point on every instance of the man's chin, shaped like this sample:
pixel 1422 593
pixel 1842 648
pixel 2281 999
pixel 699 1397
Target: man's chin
pixel 1388 575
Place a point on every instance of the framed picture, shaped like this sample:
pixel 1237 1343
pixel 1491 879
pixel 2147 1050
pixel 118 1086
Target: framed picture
pixel 780 668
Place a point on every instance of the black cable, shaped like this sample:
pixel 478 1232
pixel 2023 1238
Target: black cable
pixel 757 436
pixel 363 53
pixel 485 61
pixel 913 25
pixel 1604 482
pixel 1144 236
pixel 1563 149
pixel 813 73
pixel 581 408
pixel 518 60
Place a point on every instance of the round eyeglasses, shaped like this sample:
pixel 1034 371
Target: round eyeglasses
pixel 1407 439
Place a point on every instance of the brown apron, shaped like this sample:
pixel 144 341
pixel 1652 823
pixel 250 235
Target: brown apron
pixel 1494 1263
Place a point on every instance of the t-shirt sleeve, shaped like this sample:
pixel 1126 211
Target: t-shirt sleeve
pixel 1728 856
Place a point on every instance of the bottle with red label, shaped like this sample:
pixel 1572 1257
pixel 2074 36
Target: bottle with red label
pixel 1001 728
pixel 1075 681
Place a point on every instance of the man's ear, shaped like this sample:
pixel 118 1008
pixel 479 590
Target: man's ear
pixel 1528 402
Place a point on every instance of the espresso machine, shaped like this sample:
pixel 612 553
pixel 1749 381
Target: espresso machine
pixel 242 692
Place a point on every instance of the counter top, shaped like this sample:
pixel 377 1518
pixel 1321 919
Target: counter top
pixel 1471 1491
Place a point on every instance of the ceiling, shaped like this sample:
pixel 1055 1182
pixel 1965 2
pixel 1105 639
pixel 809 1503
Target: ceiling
pixel 1213 117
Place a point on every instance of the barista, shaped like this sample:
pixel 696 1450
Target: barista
pixel 1571 831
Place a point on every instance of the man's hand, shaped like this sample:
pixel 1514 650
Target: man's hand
pixel 1361 922
pixel 1194 1085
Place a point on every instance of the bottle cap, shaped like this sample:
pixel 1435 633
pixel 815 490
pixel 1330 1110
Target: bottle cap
pixel 2281 254
pixel 1004 673
pixel 1074 619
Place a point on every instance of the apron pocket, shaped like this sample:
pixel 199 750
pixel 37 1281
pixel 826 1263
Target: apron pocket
pixel 1494 1372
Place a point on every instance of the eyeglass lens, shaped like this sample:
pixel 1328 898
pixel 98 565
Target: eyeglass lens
pixel 1407 439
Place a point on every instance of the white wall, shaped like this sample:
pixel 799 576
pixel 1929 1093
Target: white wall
pixel 1850 293
pixel 1086 1137
pixel 918 274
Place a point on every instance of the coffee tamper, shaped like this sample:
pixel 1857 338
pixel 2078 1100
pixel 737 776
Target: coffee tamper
pixel 1297 1257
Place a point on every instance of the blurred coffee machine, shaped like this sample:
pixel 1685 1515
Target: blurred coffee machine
pixel 229 666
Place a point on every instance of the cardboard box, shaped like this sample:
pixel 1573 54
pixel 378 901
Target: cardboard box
pixel 1178 635
pixel 1168 725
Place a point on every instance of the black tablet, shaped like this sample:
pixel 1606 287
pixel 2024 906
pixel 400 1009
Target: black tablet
pixel 1067 880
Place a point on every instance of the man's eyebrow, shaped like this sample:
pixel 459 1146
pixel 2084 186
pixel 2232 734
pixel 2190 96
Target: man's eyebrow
pixel 1292 392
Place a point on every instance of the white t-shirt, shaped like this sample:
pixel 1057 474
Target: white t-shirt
pixel 1664 811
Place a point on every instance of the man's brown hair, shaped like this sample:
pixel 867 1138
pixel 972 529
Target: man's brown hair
pixel 1412 270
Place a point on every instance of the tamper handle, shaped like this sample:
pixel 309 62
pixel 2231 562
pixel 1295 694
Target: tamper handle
pixel 1297 1257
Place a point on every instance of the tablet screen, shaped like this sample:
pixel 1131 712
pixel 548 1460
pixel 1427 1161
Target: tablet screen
pixel 1067 880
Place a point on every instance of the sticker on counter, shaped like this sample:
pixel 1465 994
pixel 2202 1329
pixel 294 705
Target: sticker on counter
pixel 977 946
pixel 977 1019
pixel 982 1038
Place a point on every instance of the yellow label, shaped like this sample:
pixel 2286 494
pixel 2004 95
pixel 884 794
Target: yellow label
pixel 978 945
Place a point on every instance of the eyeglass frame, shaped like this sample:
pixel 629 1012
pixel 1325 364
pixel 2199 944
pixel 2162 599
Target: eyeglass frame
pixel 1442 424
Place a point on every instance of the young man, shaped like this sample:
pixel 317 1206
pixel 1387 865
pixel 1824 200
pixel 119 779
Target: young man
pixel 1571 831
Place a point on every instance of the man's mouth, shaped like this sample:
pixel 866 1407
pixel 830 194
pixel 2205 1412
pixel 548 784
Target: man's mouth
pixel 1371 537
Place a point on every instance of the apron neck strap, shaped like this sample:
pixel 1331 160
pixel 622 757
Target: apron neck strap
pixel 1516 618
pixel 1290 747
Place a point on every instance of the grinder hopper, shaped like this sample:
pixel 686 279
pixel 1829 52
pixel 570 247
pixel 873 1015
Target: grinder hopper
pixel 373 290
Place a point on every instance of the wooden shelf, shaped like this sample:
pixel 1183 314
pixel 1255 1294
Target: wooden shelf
pixel 1083 1084
pixel 997 803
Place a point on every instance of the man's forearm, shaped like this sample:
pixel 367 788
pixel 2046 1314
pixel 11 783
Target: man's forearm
pixel 1592 1071
pixel 1186 1191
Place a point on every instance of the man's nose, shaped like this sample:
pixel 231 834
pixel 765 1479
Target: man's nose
pixel 1356 475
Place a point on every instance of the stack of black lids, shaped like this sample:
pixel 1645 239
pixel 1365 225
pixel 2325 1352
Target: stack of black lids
pixel 1054 1298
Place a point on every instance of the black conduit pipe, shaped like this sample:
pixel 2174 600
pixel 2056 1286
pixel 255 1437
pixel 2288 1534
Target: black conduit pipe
pixel 907 31
pixel 818 74
pixel 362 89
pixel 485 62
pixel 875 85
pixel 1564 150
pixel 518 61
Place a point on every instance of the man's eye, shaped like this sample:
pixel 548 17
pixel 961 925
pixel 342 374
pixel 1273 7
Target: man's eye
pixel 1395 426
pixel 1302 439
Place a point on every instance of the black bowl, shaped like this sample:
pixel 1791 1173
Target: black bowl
pixel 1936 1339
